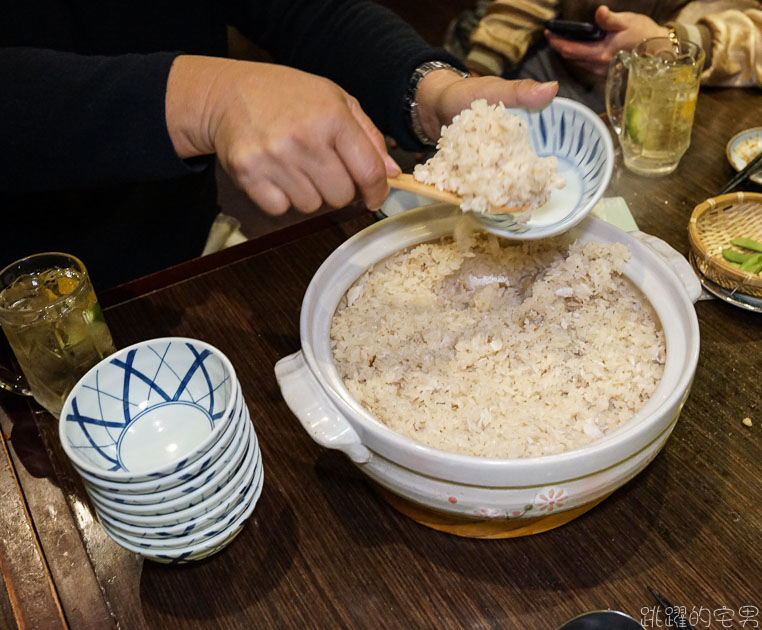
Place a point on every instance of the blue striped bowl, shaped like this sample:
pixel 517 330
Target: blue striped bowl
pixel 581 142
pixel 149 410
pixel 579 139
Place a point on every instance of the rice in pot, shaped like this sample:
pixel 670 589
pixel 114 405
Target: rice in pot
pixel 485 156
pixel 499 350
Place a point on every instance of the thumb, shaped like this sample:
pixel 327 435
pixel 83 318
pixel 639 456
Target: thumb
pixel 526 93
pixel 608 20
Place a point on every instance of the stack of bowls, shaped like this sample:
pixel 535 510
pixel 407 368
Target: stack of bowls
pixel 163 440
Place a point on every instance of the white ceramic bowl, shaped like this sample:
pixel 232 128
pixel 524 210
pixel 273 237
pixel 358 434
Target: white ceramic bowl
pixel 462 485
pixel 181 481
pixel 148 410
pixel 227 494
pixel 210 487
pixel 743 147
pixel 199 549
pixel 196 535
pixel 194 486
pixel 577 137
pixel 217 514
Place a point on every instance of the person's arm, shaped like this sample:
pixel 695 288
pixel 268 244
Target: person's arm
pixel 289 138
pixel 443 94
pixel 506 32
pixel 286 137
pixel 364 47
pixel 68 120
pixel 623 31
pixel 732 42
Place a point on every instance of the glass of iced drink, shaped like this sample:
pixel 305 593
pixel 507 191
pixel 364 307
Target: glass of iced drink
pixel 54 325
pixel 651 96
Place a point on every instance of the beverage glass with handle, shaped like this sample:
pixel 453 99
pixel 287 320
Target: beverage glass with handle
pixel 651 95
pixel 54 325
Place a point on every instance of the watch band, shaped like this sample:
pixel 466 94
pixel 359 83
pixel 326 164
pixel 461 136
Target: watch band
pixel 674 40
pixel 411 97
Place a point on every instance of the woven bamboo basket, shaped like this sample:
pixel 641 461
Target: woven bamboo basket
pixel 713 224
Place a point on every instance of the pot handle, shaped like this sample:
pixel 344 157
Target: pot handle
pixel 312 407
pixel 675 261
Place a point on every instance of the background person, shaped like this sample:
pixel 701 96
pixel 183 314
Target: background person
pixel 508 38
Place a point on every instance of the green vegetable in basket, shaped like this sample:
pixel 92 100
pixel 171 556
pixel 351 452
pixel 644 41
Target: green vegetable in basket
pixel 747 243
pixel 753 264
pixel 733 256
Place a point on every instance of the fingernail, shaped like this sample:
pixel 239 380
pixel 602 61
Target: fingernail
pixel 545 87
pixel 392 168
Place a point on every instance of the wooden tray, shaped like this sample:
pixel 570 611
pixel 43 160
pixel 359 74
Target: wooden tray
pixel 486 528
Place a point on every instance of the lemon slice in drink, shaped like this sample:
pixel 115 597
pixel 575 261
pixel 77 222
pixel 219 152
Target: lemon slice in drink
pixel 66 284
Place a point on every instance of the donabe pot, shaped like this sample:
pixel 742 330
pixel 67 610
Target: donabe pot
pixel 464 485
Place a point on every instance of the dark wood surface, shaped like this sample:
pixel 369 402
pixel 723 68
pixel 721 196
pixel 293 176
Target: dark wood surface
pixel 323 550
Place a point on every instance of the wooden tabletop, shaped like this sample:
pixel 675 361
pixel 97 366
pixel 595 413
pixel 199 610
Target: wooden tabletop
pixel 324 550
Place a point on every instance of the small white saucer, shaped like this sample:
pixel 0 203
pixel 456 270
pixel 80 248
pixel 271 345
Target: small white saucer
pixel 744 147
pixel 736 298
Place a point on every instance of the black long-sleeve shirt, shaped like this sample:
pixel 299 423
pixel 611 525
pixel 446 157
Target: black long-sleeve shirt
pixel 87 164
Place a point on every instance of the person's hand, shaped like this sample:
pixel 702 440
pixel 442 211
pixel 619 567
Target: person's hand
pixel 287 138
pixel 623 31
pixel 443 94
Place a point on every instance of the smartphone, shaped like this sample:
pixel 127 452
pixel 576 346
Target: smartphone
pixel 579 31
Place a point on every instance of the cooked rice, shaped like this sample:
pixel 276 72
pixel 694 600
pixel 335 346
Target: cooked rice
pixel 485 156
pixel 499 350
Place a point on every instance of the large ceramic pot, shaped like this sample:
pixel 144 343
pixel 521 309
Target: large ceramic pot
pixel 476 487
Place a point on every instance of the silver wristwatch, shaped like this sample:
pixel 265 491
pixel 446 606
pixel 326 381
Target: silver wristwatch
pixel 411 96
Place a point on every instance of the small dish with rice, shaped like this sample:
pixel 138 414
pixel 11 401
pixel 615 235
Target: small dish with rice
pixel 556 175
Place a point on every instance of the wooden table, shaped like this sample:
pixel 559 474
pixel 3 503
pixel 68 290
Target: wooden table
pixel 322 550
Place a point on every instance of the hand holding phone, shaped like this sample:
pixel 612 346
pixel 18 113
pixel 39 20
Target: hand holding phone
pixel 577 31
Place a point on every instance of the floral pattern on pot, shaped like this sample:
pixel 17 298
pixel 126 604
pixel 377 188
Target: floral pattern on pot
pixel 550 499
pixel 493 513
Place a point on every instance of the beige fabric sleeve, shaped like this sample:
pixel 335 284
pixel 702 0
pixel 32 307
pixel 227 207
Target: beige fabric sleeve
pixel 732 41
pixel 505 34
